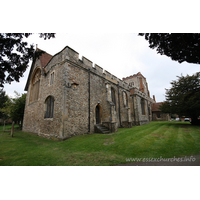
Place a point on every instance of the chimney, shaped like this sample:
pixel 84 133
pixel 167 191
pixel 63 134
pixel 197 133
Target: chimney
pixel 154 98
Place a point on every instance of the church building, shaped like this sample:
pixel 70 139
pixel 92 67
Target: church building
pixel 69 96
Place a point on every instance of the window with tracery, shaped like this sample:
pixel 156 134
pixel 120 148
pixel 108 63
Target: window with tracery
pixel 49 105
pixel 35 86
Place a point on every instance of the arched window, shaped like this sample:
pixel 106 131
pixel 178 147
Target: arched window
pixel 125 98
pixel 35 86
pixel 49 105
pixel 143 106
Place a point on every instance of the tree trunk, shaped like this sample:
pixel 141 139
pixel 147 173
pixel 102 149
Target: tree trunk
pixel 12 129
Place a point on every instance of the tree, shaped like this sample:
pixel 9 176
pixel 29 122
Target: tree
pixel 3 100
pixel 17 108
pixel 15 54
pixel 178 46
pixel 184 97
pixel 14 108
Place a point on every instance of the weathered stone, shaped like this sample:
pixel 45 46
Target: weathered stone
pixel 81 98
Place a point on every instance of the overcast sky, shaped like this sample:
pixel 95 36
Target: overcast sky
pixel 122 54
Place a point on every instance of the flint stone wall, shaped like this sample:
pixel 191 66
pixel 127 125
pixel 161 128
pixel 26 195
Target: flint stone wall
pixel 74 80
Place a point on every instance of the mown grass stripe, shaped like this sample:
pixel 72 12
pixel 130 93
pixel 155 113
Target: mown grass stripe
pixel 166 139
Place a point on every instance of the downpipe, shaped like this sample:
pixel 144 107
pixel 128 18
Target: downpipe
pixel 120 123
pixel 89 101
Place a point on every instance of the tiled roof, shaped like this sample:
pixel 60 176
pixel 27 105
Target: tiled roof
pixel 44 58
pixel 155 106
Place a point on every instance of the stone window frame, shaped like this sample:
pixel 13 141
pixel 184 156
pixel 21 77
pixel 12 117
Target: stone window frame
pixel 113 96
pixel 35 85
pixel 52 78
pixel 131 84
pixel 49 107
pixel 142 102
pixel 125 98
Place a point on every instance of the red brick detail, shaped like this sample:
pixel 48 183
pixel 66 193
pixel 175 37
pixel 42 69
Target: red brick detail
pixel 132 91
pixel 134 75
pixel 44 58
pixel 141 85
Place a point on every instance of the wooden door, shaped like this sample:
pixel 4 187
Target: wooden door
pixel 97 115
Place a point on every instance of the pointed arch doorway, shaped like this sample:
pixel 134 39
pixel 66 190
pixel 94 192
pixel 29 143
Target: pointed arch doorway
pixel 98 114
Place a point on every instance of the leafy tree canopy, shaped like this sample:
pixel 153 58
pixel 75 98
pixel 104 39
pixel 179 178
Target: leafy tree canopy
pixel 184 97
pixel 15 54
pixel 14 107
pixel 3 99
pixel 178 46
pixel 17 107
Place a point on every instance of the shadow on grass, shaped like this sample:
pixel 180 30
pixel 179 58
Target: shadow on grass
pixel 185 124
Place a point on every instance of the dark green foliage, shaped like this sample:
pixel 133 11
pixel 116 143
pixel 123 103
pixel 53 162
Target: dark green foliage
pixel 184 97
pixel 3 100
pixel 14 108
pixel 17 108
pixel 178 46
pixel 15 55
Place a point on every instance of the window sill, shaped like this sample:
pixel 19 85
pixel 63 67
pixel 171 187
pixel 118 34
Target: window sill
pixel 48 119
pixel 32 102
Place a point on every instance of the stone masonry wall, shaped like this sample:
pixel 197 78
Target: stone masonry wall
pixel 158 116
pixel 72 79
pixel 34 120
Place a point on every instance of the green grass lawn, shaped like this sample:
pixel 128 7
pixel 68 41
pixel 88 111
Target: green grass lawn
pixel 156 139
pixel 8 127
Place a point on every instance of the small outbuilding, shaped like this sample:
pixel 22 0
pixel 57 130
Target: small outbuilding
pixel 157 115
